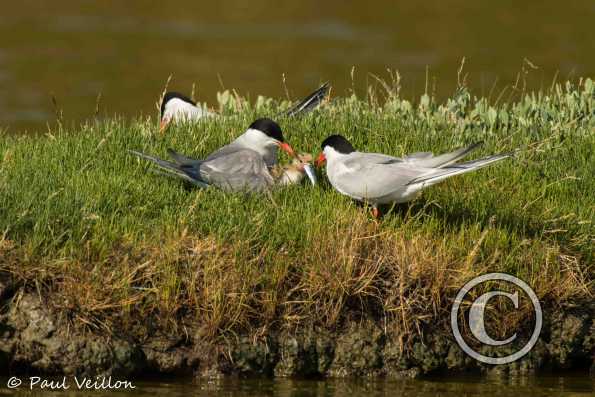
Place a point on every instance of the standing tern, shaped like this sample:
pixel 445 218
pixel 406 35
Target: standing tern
pixel 243 165
pixel 176 107
pixel 382 179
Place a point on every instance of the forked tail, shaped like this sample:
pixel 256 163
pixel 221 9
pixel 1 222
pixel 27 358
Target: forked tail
pixel 185 172
pixel 440 174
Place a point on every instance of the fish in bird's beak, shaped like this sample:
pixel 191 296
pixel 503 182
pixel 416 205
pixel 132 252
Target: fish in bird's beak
pixel 287 149
pixel 293 173
pixel 320 160
pixel 310 173
pixel 305 161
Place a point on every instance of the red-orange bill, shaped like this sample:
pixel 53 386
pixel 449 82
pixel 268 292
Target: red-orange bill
pixel 163 125
pixel 320 160
pixel 286 148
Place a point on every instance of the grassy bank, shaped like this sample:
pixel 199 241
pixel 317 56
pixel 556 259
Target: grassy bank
pixel 119 249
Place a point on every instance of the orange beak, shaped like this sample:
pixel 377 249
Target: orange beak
pixel 287 149
pixel 320 160
pixel 163 126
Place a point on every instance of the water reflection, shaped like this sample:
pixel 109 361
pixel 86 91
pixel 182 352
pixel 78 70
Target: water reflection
pixel 568 385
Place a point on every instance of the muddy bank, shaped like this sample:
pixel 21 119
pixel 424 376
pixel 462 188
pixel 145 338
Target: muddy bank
pixel 31 340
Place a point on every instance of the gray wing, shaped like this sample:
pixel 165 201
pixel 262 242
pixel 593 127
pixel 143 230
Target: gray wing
pixel 183 160
pixel 270 159
pixel 360 178
pixel 237 170
pixel 428 160
pixel 358 158
pixel 187 173
pixel 223 151
pixel 436 175
pixel 419 156
pixel 420 159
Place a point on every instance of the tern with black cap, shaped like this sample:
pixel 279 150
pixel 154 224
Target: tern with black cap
pixel 176 107
pixel 243 165
pixel 379 179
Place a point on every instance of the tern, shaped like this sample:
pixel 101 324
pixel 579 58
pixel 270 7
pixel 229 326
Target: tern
pixel 379 179
pixel 176 107
pixel 243 165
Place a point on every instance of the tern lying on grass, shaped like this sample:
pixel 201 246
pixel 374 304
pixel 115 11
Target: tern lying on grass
pixel 379 179
pixel 178 107
pixel 243 165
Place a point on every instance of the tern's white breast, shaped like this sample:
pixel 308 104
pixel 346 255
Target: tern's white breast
pixel 179 110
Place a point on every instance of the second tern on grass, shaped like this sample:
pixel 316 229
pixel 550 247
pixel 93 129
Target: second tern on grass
pixel 243 165
pixel 177 107
pixel 380 179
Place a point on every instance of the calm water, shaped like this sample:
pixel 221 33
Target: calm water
pixel 568 385
pixel 125 50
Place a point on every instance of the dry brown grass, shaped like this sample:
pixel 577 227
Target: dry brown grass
pixel 353 270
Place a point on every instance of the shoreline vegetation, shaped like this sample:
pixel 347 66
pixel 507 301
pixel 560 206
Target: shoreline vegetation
pixel 108 268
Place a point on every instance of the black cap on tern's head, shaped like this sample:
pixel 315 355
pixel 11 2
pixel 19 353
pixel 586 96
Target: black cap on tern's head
pixel 339 143
pixel 269 128
pixel 174 95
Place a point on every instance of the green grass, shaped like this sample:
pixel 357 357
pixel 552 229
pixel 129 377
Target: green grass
pixel 115 247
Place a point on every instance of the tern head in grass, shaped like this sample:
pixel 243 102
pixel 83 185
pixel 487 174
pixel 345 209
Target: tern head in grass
pixel 379 179
pixel 178 107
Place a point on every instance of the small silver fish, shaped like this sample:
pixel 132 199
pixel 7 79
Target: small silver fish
pixel 311 173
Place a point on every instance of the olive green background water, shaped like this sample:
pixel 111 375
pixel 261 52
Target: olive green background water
pixel 125 50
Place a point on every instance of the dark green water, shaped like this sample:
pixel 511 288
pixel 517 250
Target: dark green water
pixel 125 50
pixel 567 385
